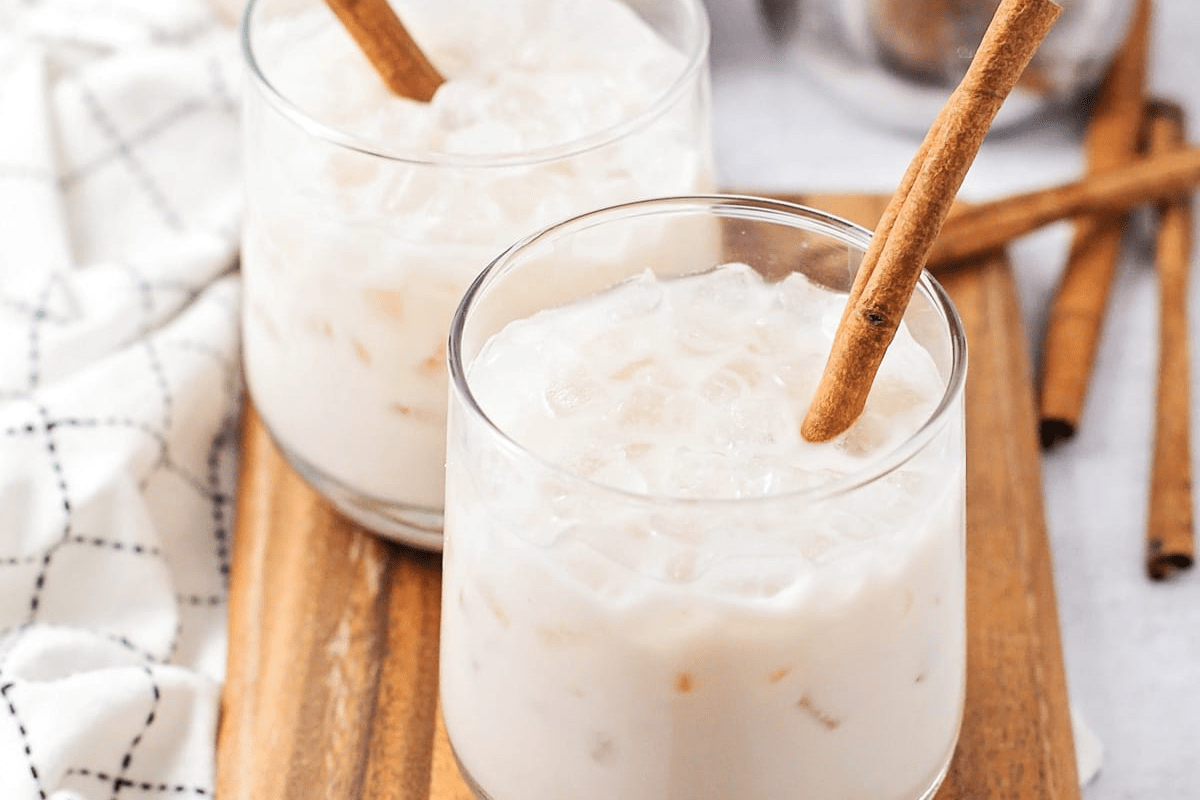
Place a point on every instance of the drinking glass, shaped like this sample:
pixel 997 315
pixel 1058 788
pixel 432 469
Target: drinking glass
pixel 602 639
pixel 895 62
pixel 360 237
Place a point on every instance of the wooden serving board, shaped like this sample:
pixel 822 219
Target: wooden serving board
pixel 331 690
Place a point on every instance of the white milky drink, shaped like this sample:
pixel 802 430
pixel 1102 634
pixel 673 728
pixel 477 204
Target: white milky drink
pixel 368 215
pixel 653 586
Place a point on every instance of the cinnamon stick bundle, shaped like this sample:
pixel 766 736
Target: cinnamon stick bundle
pixel 980 228
pixel 910 224
pixel 1170 542
pixel 1073 331
pixel 387 44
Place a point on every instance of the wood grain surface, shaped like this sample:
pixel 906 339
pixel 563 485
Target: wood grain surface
pixel 331 690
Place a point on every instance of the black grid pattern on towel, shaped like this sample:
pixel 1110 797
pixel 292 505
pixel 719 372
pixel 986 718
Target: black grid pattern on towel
pixel 173 450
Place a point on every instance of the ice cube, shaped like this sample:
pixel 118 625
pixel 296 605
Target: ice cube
pixel 869 435
pixel 893 397
pixel 722 387
pixel 569 393
pixel 697 472
pixel 646 406
pixel 734 284
pixel 754 577
pixel 749 372
pixel 640 295
pixel 754 420
pixel 607 465
pixel 703 333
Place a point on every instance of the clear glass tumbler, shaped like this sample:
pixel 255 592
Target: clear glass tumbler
pixel 652 589
pixel 895 62
pixel 367 215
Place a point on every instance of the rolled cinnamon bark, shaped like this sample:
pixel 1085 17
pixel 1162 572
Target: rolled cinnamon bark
pixel 1073 332
pixel 388 46
pixel 974 230
pixel 1170 541
pixel 911 223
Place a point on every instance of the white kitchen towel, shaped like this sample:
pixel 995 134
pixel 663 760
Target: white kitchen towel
pixel 119 393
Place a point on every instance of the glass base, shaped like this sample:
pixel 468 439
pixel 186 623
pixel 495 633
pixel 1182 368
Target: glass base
pixel 467 777
pixel 939 778
pixel 480 794
pixel 418 526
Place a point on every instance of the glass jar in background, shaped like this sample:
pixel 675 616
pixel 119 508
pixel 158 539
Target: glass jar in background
pixel 652 587
pixel 895 62
pixel 368 215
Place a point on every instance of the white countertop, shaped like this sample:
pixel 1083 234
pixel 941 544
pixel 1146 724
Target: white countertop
pixel 1132 646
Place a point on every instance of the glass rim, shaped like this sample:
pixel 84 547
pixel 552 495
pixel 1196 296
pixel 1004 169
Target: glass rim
pixel 725 206
pixel 696 61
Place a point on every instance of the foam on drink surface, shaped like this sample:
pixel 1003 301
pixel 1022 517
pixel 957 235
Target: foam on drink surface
pixel 646 648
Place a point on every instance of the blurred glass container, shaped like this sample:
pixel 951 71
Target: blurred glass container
pixel 895 62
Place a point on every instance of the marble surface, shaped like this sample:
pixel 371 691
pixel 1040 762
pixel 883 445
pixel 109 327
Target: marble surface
pixel 1132 646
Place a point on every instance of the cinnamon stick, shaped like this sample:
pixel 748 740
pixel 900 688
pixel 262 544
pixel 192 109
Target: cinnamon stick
pixel 387 44
pixel 914 217
pixel 979 228
pixel 1073 331
pixel 1170 543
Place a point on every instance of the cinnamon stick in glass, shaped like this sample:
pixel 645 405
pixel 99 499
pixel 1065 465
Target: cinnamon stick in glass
pixel 387 44
pixel 977 229
pixel 1073 330
pixel 1170 542
pixel 897 254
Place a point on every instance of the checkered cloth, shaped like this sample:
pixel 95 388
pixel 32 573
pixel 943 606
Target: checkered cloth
pixel 119 393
